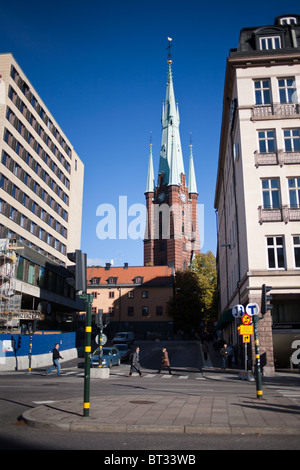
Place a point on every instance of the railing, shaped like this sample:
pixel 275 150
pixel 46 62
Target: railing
pixel 280 157
pixel 285 213
pixel 272 110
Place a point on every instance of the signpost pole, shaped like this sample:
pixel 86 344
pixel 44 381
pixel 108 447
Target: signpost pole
pixel 259 391
pixel 87 360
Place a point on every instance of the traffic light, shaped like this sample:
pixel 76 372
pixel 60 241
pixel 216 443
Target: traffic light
pixel 78 281
pixel 98 317
pixel 32 326
pixel 265 299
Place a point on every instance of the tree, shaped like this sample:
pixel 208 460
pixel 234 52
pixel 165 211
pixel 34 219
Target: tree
pixel 184 307
pixel 204 266
pixel 195 294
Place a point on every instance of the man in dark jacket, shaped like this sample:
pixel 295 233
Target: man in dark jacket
pixel 55 357
pixel 135 363
pixel 224 355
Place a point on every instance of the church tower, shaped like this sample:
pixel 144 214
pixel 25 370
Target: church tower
pixel 172 236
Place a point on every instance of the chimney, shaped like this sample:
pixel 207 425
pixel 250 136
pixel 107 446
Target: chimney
pixel 107 266
pixel 125 265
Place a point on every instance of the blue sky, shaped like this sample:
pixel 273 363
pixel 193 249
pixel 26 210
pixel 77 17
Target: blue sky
pixel 101 69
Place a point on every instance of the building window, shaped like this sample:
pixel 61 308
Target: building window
pixel 270 192
pixel 269 43
pixel 291 140
pixel 275 246
pixel 296 241
pixel 31 273
pixel 111 294
pixel 159 311
pixel 294 191
pixel 145 294
pixel 130 311
pixel 111 311
pixel 145 311
pixel 95 294
pixel 288 20
pixel 262 90
pixel 266 141
pixel 130 294
pixel 287 90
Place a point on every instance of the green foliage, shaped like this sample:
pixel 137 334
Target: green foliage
pixel 195 294
pixel 204 265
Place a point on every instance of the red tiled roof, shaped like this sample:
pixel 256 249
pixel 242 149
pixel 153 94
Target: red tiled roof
pixel 150 274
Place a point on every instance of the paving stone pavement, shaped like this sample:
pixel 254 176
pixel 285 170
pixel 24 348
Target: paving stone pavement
pixel 172 413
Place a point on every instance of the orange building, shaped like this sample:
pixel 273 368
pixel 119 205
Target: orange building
pixel 135 297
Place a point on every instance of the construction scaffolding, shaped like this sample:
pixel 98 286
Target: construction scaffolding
pixel 10 301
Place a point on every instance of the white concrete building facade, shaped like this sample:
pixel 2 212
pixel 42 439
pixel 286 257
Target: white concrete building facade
pixel 257 195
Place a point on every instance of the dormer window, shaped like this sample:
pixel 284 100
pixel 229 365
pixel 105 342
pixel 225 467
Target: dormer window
pixel 112 280
pixel 95 280
pixel 288 20
pixel 138 280
pixel 270 43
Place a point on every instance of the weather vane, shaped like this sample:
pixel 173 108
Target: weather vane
pixel 169 47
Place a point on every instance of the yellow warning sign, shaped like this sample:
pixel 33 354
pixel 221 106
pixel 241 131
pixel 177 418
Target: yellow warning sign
pixel 245 329
pixel 246 338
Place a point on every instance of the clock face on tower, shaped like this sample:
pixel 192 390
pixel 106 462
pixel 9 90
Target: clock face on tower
pixel 161 197
pixel 183 197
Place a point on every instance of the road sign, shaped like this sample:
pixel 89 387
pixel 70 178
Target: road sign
pixel 246 338
pixel 246 319
pixel 238 311
pixel 103 338
pixel 245 329
pixel 252 309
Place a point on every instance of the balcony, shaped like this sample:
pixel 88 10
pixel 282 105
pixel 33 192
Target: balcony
pixel 285 213
pixel 280 157
pixel 275 111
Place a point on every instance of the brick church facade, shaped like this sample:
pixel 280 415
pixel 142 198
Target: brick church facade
pixel 172 235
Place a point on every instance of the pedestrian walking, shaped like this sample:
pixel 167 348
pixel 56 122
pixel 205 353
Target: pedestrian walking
pixel 165 361
pixel 55 357
pixel 135 363
pixel 224 355
pixel 205 350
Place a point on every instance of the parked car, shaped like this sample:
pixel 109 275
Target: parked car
pixel 124 350
pixel 110 357
pixel 126 337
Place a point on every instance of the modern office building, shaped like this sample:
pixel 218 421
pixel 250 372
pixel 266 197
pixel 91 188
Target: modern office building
pixel 172 235
pixel 257 195
pixel 41 191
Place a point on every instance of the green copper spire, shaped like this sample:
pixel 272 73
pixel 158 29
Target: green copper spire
pixel 171 160
pixel 150 188
pixel 192 177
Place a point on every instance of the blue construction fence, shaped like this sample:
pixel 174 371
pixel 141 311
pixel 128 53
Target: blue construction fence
pixel 14 348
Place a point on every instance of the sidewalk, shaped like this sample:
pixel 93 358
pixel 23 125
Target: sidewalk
pixel 173 412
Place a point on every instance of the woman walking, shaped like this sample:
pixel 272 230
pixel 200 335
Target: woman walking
pixel 165 361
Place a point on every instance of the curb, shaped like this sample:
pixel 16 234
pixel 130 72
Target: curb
pixel 87 425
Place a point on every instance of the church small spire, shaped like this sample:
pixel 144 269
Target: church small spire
pixel 150 188
pixel 174 177
pixel 192 177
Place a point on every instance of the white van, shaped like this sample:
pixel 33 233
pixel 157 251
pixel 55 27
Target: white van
pixel 126 337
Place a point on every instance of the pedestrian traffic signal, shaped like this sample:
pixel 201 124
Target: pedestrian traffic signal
pixel 265 306
pixel 78 269
pixel 98 317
